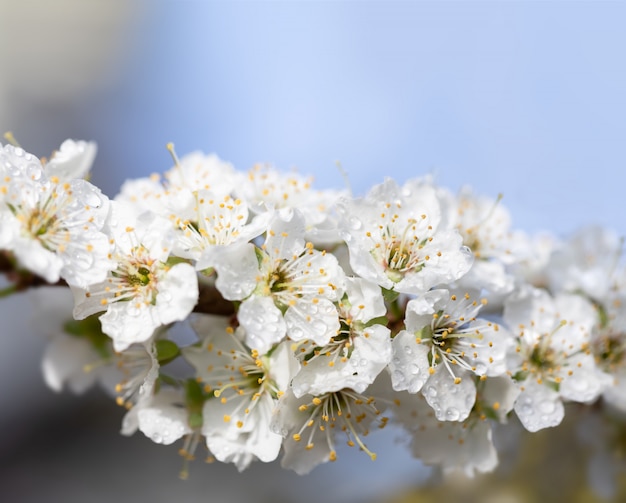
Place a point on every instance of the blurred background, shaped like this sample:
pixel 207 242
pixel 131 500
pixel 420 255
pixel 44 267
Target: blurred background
pixel 521 98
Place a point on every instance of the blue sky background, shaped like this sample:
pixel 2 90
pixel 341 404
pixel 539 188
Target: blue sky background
pixel 523 98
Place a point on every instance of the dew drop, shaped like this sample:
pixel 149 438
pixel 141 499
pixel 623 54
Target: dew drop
pixel 431 391
pixel 452 414
pixel 81 259
pixel 92 199
pixel 296 333
pixel 546 407
pixel 414 369
pixel 33 171
pixel 408 350
pixel 397 376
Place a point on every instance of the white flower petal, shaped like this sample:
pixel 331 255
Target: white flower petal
pixel 316 321
pixel 450 401
pixel 409 363
pixel 263 323
pixel 237 271
pixel 538 407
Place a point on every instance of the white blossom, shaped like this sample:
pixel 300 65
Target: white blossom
pixel 264 187
pixel 246 387
pixel 143 291
pixel 552 361
pixel 353 357
pixel 310 425
pixel 395 240
pixel 54 227
pixel 443 344
pixel 72 160
pixel 465 446
pixel 287 286
pixel 586 263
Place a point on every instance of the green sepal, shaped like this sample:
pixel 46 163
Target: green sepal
pixel 554 385
pixel 603 316
pixel 520 376
pixel 208 272
pixel 491 414
pixel 172 381
pixel 166 351
pixel 172 261
pixel 260 255
pixel 390 295
pixel 426 332
pixel 381 320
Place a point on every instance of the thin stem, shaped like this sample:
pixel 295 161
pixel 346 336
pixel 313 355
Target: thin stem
pixel 9 290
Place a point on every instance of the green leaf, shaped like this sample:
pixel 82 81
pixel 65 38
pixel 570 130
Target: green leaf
pixel 166 351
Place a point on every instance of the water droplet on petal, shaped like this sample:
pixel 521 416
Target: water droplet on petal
pixel 397 376
pixel 546 407
pixel 527 409
pixel 296 333
pixel 414 369
pixel 92 199
pixel 81 259
pixel 452 414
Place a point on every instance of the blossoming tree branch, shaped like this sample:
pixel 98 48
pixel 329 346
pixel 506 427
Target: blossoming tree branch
pixel 319 317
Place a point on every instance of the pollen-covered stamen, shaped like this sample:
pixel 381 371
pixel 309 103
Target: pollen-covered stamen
pixel 610 351
pixel 543 361
pixel 472 236
pixel 53 218
pixel 134 364
pixel 218 222
pixel 399 252
pixel 246 377
pixel 188 452
pixel 454 336
pixel 272 187
pixel 291 279
pixel 135 278
pixel 339 347
pixel 346 411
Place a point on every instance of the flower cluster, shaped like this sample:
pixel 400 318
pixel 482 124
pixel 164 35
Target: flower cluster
pixel 319 316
